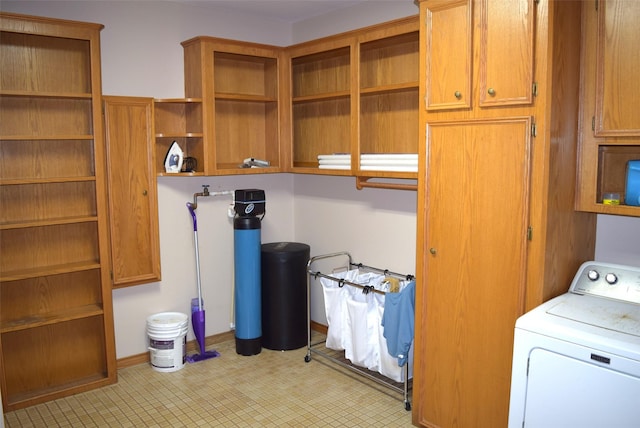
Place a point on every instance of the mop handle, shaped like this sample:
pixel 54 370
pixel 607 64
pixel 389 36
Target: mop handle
pixel 195 242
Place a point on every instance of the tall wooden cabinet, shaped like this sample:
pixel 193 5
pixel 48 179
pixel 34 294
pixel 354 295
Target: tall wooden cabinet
pixel 610 126
pixel 56 318
pixel 497 232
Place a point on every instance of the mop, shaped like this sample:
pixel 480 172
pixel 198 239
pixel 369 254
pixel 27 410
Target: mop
pixel 197 315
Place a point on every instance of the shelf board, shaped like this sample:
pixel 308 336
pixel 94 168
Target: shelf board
pixel 51 318
pixel 181 174
pixel 622 209
pixel 180 135
pixel 25 399
pixel 244 97
pixel 396 87
pixel 322 97
pixel 47 137
pixel 308 168
pixel 16 275
pixel 32 94
pixel 18 181
pixel 178 100
pixel 233 169
pixel 49 222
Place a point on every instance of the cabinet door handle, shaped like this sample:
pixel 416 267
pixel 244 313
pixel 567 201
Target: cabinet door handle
pixel 458 95
pixel 432 251
pixel 491 91
pixel 144 193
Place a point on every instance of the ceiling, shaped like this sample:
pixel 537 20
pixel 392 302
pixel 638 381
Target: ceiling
pixel 285 10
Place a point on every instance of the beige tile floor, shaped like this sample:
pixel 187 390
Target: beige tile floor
pixel 271 389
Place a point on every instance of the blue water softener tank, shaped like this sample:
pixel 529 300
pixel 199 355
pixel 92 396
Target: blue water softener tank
pixel 249 210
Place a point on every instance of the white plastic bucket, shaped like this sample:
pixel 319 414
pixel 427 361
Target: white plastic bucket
pixel 167 333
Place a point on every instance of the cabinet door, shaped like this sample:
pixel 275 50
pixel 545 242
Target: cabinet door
pixel 617 65
pixel 476 218
pixel 133 206
pixel 506 52
pixel 448 54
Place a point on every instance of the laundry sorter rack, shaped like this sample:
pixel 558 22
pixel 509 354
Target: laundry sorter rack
pixel 318 347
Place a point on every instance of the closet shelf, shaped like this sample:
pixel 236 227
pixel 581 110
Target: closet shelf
pixel 181 174
pixel 19 181
pixel 397 87
pixel 178 100
pixel 321 97
pixel 36 94
pixel 244 97
pixel 51 318
pixel 46 137
pixel 25 399
pixel 16 275
pixel 47 222
pixel 179 135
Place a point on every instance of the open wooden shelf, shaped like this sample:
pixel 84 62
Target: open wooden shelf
pixel 54 269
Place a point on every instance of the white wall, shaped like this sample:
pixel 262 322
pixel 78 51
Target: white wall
pixel 618 240
pixel 376 226
pixel 142 56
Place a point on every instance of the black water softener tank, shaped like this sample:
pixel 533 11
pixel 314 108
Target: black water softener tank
pixel 284 295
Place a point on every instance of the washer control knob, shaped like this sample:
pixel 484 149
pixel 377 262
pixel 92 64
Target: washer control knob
pixel 611 278
pixel 593 275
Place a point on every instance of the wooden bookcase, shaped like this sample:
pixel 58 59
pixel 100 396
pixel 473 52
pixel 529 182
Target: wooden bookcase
pixel 238 85
pixel 56 320
pixel 355 93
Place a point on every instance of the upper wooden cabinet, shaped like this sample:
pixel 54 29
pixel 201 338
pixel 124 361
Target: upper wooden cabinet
pixel 617 64
pixel 506 52
pixel 132 194
pixel 56 316
pixel 503 31
pixel 355 94
pixel 349 95
pixel 448 54
pixel 610 123
pixel 238 84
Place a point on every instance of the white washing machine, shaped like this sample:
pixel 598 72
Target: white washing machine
pixel 576 358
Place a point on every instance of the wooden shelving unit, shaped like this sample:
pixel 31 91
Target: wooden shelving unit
pixel 321 103
pixel 180 120
pixel 238 84
pixel 56 321
pixel 356 93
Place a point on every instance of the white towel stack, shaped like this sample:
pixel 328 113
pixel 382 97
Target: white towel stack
pixel 335 161
pixel 404 162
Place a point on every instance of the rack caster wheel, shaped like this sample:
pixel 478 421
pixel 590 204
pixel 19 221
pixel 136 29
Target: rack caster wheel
pixel 307 358
pixel 407 406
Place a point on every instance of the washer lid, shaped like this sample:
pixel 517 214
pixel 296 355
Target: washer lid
pixel 612 315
